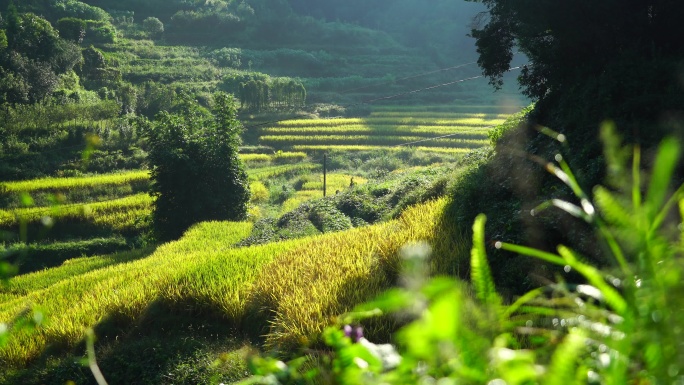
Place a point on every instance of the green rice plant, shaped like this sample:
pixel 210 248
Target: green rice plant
pixel 255 158
pixel 428 131
pixel 33 257
pixel 305 289
pixel 99 212
pixel 24 284
pixel 334 182
pixel 346 148
pixel 272 171
pixel 127 288
pixel 298 198
pixel 279 157
pixel 288 157
pixel 467 121
pixel 292 140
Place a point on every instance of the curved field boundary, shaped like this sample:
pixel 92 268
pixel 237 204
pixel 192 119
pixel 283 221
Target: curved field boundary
pixel 470 122
pixel 280 157
pixel 381 129
pixel 271 171
pixel 292 140
pixel 99 211
pixel 44 184
pixel 437 114
pixel 461 108
pixel 442 150
pixel 72 305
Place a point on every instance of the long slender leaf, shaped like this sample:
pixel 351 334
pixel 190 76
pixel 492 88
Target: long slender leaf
pixel 667 207
pixel 614 248
pixel 666 161
pixel 531 252
pixel 593 275
pixel 636 179
pixel 572 181
pixel 572 209
pixel 481 275
pixel 527 297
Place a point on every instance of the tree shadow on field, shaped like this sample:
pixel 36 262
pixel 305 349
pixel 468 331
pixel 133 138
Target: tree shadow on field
pixel 163 345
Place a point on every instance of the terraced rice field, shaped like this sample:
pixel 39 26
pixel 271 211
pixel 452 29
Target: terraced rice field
pixel 313 188
pixel 441 130
pixel 108 204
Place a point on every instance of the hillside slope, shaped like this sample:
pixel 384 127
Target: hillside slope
pixel 289 290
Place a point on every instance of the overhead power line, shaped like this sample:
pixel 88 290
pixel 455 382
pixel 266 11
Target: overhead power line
pixel 369 101
pixel 408 77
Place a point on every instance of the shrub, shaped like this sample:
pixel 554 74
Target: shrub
pixel 153 26
pixel 72 29
pixel 326 217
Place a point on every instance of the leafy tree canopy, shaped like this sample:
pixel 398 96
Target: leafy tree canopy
pixel 196 173
pixel 34 57
pixel 153 26
pixel 601 59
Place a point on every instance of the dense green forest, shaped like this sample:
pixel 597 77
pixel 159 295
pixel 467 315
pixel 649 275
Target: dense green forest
pixel 341 192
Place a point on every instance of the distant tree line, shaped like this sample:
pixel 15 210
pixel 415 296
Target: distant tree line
pixel 271 93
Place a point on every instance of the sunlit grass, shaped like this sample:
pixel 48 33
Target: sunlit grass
pixel 271 171
pixel 74 304
pixel 313 189
pixel 473 132
pixel 442 150
pixel 118 213
pixel 299 284
pixel 290 140
pixel 278 157
pixel 472 121
pixel 333 182
pixel 306 288
pixel 27 283
pixel 56 183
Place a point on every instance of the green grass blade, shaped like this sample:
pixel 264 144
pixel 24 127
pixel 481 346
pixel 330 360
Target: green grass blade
pixel 572 209
pixel 529 296
pixel 531 252
pixel 664 166
pixel 563 368
pixel 636 179
pixel 614 248
pixel 593 275
pixel 662 214
pixel 481 276
pixel 572 181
